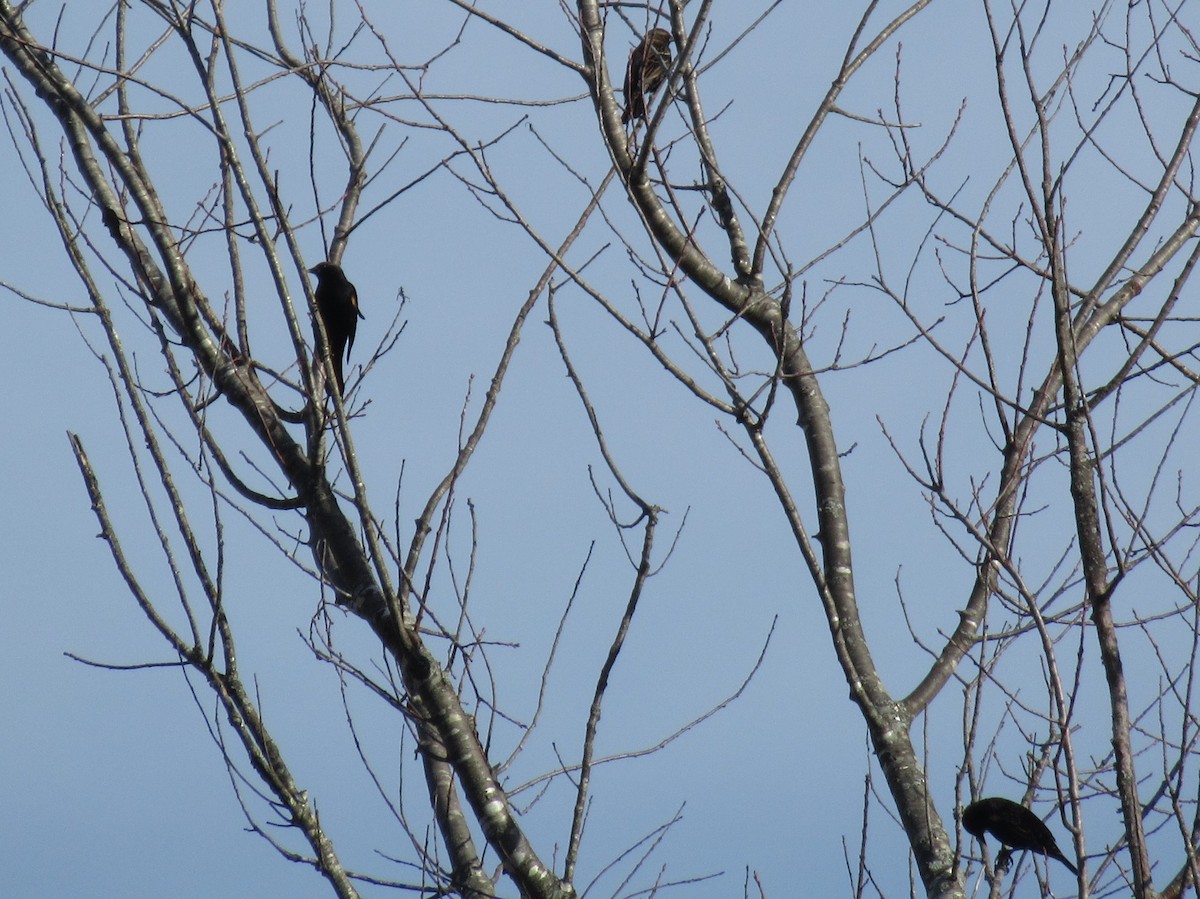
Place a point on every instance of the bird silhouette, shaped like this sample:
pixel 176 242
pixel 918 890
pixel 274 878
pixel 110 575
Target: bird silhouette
pixel 648 66
pixel 337 304
pixel 1016 827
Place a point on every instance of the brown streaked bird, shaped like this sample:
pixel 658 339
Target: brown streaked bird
pixel 1016 827
pixel 337 304
pixel 648 66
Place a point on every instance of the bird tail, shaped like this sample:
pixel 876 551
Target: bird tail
pixel 1062 858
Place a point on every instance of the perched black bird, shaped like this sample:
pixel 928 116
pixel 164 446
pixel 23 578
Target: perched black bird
pixel 337 304
pixel 648 66
pixel 1016 827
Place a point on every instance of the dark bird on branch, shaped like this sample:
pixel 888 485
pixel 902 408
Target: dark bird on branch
pixel 1016 827
pixel 337 304
pixel 648 66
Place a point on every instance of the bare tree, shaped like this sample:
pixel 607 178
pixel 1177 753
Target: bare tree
pixel 1018 279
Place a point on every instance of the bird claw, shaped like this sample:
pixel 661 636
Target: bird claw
pixel 1004 860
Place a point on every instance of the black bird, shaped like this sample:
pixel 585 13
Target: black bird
pixel 648 66
pixel 1015 826
pixel 337 304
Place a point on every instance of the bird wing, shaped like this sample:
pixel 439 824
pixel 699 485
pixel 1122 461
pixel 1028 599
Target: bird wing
pixel 633 81
pixel 352 320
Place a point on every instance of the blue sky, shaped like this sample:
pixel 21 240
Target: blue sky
pixel 112 785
